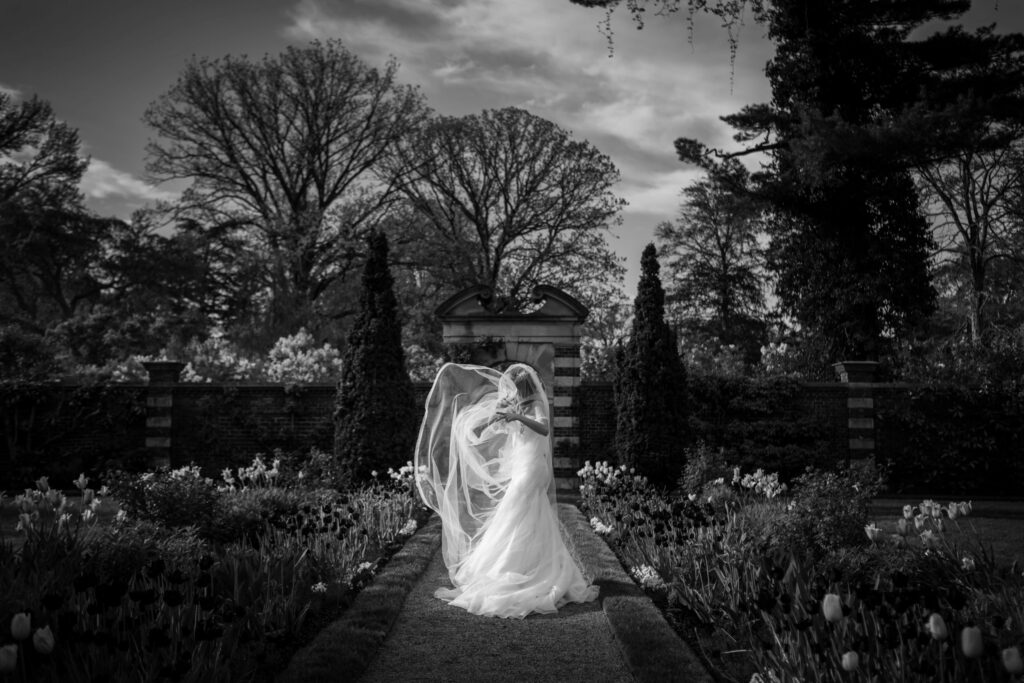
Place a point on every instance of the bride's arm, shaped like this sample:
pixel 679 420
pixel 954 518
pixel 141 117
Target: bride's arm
pixel 536 425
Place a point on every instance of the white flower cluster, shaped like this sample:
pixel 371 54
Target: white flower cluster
pixel 647 577
pixel 409 529
pixel 186 472
pixel 608 474
pixel 600 527
pixel 43 499
pixel 298 359
pixel 766 484
pixel 320 587
pixel 406 473
pixel 255 475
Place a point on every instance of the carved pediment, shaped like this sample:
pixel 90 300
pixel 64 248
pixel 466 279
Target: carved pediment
pixel 478 303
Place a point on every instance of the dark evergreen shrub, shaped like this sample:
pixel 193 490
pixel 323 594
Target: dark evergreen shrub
pixel 760 423
pixel 375 414
pixel 650 386
pixel 951 439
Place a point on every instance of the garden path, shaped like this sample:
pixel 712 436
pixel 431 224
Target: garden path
pixel 620 637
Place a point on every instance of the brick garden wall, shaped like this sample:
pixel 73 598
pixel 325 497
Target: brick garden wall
pixel 225 425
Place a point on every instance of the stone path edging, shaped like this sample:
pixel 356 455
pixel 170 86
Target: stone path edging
pixel 653 651
pixel 343 649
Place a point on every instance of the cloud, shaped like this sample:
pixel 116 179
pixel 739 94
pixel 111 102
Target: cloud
pixel 11 92
pixel 103 181
pixel 549 57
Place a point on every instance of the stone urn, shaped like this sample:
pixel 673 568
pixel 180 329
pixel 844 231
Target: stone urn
pixel 856 370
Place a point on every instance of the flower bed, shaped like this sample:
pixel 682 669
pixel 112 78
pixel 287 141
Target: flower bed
pixel 187 578
pixel 777 585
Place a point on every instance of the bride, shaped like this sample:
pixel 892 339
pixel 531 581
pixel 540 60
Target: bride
pixel 483 462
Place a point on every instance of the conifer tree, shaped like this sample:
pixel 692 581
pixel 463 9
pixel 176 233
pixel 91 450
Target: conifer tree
pixel 650 386
pixel 375 409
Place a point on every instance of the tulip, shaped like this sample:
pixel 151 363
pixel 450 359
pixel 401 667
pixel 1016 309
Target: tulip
pixel 968 564
pixel 88 495
pixel 966 508
pixel 919 521
pixel 872 531
pixel 970 642
pixel 1012 661
pixel 831 607
pixel 42 639
pixel 21 625
pixel 908 512
pixel 929 539
pixel 81 482
pixel 902 528
pixel 953 510
pixel 937 626
pixel 8 658
pixel 43 484
pixel 851 661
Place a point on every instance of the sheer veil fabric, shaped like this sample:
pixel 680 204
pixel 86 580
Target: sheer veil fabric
pixel 492 483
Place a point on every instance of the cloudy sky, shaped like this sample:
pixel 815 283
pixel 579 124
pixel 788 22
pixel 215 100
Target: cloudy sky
pixel 101 62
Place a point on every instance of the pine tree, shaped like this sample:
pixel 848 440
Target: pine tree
pixel 375 409
pixel 650 387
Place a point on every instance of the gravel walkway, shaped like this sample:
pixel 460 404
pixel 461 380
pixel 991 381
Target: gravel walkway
pixel 432 641
pixel 396 630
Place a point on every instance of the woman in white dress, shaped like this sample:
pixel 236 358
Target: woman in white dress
pixel 483 460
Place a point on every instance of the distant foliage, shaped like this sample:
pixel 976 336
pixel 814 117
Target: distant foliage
pixel 650 387
pixel 759 423
pixel 964 440
pixel 375 411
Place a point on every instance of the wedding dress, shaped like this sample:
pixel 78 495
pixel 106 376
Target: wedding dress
pixel 490 479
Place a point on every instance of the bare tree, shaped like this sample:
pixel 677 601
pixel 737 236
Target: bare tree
pixel 286 148
pixel 514 200
pixel 970 199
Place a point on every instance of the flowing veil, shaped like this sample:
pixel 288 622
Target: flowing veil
pixel 462 468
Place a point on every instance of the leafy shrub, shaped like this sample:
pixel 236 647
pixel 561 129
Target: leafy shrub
pixel 954 439
pixel 829 510
pixel 171 498
pixel 128 545
pixel 703 466
pixel 759 423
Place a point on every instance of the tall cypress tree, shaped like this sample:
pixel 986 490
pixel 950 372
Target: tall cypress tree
pixel 650 386
pixel 375 409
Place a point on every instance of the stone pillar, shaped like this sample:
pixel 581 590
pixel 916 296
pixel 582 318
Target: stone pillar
pixel 163 375
pixel 859 377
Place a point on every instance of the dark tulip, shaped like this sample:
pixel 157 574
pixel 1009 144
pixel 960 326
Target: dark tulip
pixel 155 568
pixel 931 601
pixel 158 638
pixel 53 601
pixel 209 630
pixel 891 636
pixel 957 600
pixel 84 582
pixel 203 580
pixel 101 638
pixel 847 610
pixel 205 562
pixel 173 597
pixel 209 602
pixel 364 532
pixel 804 624
pixel 765 601
pixel 94 608
pixel 176 577
pixel 66 621
pixel 900 580
pixel 143 597
pixel 100 678
pixel 998 621
pixel 123 645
